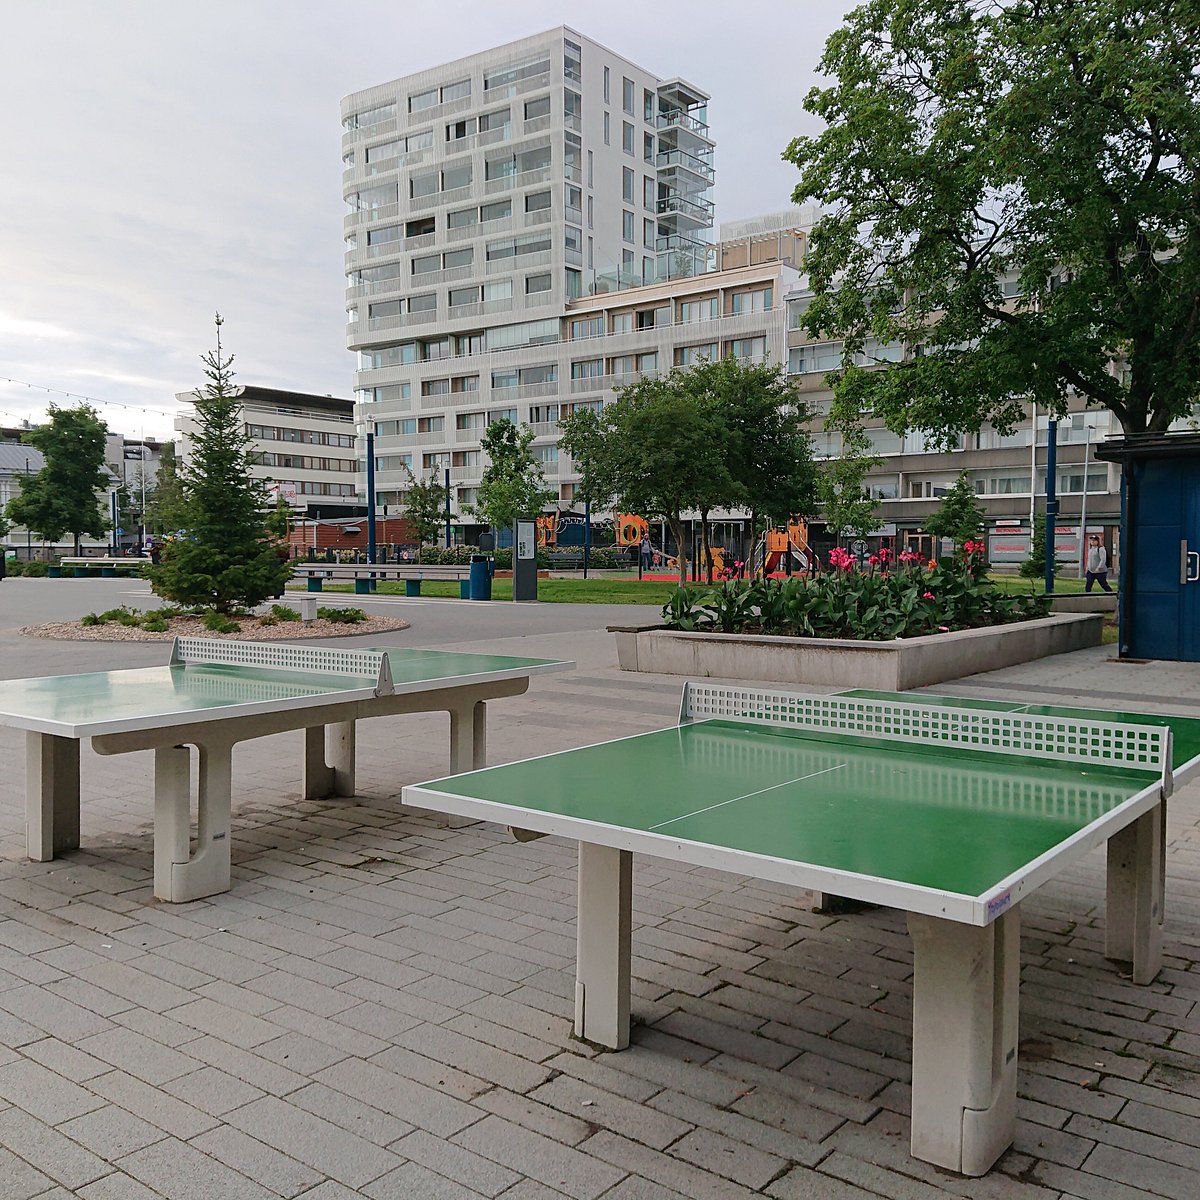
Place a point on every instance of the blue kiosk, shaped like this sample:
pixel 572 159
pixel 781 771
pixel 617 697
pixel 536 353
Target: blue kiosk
pixel 1159 603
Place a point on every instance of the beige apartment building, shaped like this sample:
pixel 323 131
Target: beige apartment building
pixel 305 448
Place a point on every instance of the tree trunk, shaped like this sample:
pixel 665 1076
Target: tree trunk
pixel 676 525
pixel 706 546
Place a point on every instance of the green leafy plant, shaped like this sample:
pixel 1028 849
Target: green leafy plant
pixel 155 626
pixel 268 619
pixel 688 610
pixel 218 622
pixel 92 619
pixel 342 616
pixel 281 612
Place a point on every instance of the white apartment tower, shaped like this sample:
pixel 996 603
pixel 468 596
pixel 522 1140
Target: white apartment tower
pixel 484 197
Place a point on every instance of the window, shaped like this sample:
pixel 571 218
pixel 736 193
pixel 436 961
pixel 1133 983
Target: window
pixel 647 362
pixel 518 247
pixel 457 258
pixel 654 318
pixel 621 364
pixel 543 373
pixel 688 356
pixel 573 196
pixel 384 308
pixel 434 349
pixel 426 302
pixel 607 131
pixel 647 147
pixel 587 368
pixel 456 177
pixel 622 322
pixel 572 108
pixel 748 348
pixel 535 284
pixel 423 185
pixel 456 131
pixel 431 424
pixel 370 117
pixel 505 378
pixel 382 151
pixel 543 414
pixel 627 95
pixel 648 233
pixel 587 327
pixel 627 225
pixel 435 461
pixel 456 91
pixel 591 214
pixel 606 83
pixel 572 62
pixel 495 211
pixel 507 77
pixel 627 184
pixel 546 454
pixel 573 283
pixel 464 383
pixel 498 289
pixel 422 100
pixel 649 193
pixel 462 218
pixel 407 427
pixel 627 137
pixel 648 105
pixel 501 414
pixel 433 387
pixel 747 302
pixel 537 108
pixel 473 420
pixel 499 119
pixel 469 343
pixel 698 310
pixel 464 458
pixel 383 235
pixel 465 295
pixel 804 360
pixel 424 263
pixel 537 201
pixel 573 238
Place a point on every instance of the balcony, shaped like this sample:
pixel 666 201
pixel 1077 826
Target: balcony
pixel 468 435
pixel 537 124
pixel 521 262
pixel 480 308
pixel 506 183
pixel 524 391
pixel 700 211
pixel 401 321
pixel 672 161
pixel 678 119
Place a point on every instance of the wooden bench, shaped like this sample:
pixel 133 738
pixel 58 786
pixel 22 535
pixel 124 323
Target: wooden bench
pixel 107 565
pixel 365 574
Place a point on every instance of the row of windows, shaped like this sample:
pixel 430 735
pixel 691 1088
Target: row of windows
pixel 302 462
pixel 472 293
pixel 306 487
pixel 706 309
pixel 310 437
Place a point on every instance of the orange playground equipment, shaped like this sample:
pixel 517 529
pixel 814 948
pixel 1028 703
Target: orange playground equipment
pixel 773 548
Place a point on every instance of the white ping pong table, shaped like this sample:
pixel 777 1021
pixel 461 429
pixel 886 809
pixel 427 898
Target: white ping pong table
pixel 214 694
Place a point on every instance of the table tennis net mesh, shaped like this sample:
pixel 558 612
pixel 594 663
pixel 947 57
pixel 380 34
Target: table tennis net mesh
pixel 1143 747
pixel 323 660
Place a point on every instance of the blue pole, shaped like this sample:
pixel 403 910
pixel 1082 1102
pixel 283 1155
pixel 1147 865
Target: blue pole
pixel 370 493
pixel 447 508
pixel 1051 500
pixel 587 535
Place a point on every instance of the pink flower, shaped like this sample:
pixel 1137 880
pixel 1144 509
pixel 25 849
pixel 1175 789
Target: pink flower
pixel 872 558
pixel 932 563
pixel 927 596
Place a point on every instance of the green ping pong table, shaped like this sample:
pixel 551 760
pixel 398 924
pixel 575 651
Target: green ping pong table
pixel 951 813
pixel 214 694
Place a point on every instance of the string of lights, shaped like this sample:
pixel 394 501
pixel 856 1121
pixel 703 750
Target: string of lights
pixel 83 398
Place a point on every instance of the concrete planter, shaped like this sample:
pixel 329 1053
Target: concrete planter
pixel 834 662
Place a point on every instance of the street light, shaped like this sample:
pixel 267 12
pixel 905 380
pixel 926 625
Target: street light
pixel 28 531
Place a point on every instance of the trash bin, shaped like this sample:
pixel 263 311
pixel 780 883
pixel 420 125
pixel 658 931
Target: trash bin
pixel 55 572
pixel 481 577
pixel 464 589
pixel 412 587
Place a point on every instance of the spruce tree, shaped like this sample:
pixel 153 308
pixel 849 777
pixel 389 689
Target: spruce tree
pixel 960 516
pixel 228 555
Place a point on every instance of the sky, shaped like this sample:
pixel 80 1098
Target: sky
pixel 166 161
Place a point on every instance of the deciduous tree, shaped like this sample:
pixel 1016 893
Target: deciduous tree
pixel 423 506
pixel 960 516
pixel 65 495
pixel 512 484
pixel 1011 193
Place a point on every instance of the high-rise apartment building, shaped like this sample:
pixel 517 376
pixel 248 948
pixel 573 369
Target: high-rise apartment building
pixel 485 196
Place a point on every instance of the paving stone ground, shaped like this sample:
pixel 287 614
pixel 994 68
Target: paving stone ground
pixel 381 1006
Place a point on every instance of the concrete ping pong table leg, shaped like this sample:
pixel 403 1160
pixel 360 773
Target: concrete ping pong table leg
pixel 51 795
pixel 603 932
pixel 329 753
pixel 1134 909
pixel 965 1009
pixel 468 736
pixel 180 875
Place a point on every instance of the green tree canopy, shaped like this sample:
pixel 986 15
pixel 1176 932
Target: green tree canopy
pixel 512 484
pixel 849 507
pixel 1012 188
pixel 659 449
pixel 423 506
pixel 229 555
pixel 959 516
pixel 64 496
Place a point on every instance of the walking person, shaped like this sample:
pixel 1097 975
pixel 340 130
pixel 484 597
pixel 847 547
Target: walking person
pixel 1096 566
pixel 647 552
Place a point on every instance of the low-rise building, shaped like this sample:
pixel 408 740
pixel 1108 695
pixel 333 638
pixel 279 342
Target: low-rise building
pixel 304 448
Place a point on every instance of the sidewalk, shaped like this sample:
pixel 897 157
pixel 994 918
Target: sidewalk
pixel 382 1004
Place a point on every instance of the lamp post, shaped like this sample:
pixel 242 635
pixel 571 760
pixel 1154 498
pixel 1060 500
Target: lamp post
pixel 28 531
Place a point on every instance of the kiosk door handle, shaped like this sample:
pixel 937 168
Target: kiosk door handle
pixel 1189 564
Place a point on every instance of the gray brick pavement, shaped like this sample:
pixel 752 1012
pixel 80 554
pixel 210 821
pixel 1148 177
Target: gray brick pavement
pixel 381 1005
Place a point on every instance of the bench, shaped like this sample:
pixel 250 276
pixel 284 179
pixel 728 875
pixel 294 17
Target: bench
pixel 108 566
pixel 365 575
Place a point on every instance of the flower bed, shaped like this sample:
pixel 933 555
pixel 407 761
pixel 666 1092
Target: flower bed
pixel 897 624
pixel 901 597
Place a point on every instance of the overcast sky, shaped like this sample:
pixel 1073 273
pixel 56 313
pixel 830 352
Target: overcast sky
pixel 165 160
